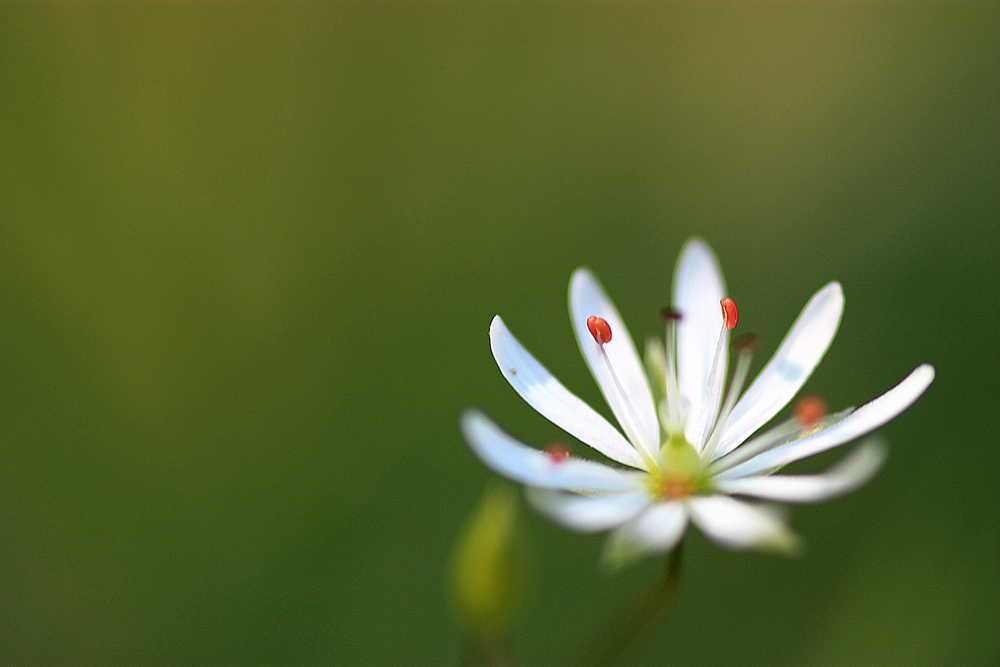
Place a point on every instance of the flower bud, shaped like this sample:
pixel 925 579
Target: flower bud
pixel 486 577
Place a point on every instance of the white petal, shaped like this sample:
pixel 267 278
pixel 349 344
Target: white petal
pixel 527 465
pixel 586 298
pixel 588 514
pixel 738 525
pixel 661 526
pixel 544 393
pixel 698 289
pixel 851 472
pixel 791 365
pixel 656 530
pixel 866 418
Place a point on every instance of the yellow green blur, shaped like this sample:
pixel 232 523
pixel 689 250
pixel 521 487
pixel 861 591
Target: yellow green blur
pixel 486 574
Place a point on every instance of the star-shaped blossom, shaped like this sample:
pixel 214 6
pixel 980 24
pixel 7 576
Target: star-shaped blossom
pixel 687 447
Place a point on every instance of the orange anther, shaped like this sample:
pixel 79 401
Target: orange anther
pixel 556 452
pixel 809 410
pixel 599 329
pixel 730 314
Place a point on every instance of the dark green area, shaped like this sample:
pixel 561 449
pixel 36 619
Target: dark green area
pixel 249 256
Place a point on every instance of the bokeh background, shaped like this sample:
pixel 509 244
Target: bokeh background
pixel 249 255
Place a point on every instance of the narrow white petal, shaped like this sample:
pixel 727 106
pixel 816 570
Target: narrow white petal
pixel 791 365
pixel 738 525
pixel 545 394
pixel 851 472
pixel 778 434
pixel 656 530
pixel 698 289
pixel 588 514
pixel 527 465
pixel 866 418
pixel 586 298
pixel 661 526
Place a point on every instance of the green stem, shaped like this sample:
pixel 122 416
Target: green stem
pixel 624 633
pixel 484 651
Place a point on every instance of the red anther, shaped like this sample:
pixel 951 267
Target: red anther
pixel 599 329
pixel 670 315
pixel 556 452
pixel 729 313
pixel 747 343
pixel 809 410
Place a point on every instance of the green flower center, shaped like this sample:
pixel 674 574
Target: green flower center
pixel 680 472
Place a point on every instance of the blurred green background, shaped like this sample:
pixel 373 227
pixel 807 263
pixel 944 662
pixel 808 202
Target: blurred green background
pixel 249 255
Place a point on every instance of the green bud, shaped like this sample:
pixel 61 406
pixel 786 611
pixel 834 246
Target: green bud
pixel 486 574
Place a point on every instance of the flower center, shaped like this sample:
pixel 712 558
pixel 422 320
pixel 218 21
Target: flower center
pixel 675 487
pixel 680 472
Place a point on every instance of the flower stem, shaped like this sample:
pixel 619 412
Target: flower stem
pixel 484 651
pixel 615 645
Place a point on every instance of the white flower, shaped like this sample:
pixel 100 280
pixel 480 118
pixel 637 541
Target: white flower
pixel 688 451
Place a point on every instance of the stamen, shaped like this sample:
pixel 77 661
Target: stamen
pixel 745 347
pixel 655 362
pixel 673 418
pixel 557 452
pixel 599 329
pixel 747 343
pixel 670 315
pixel 809 410
pixel 730 315
pixel 784 432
